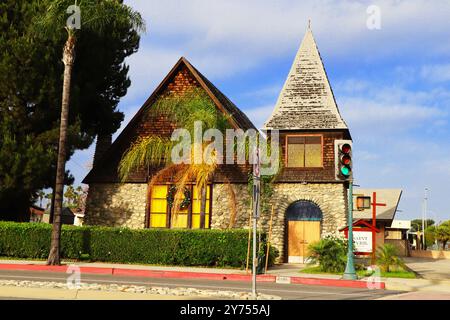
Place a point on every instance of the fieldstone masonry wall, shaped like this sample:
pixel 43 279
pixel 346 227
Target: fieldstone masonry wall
pixel 330 197
pixel 116 205
pixel 124 205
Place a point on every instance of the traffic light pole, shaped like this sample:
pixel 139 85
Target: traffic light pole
pixel 350 272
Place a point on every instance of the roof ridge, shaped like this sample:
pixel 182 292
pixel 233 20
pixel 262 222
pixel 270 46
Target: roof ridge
pixel 306 100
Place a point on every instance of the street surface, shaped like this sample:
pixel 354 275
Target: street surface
pixel 285 291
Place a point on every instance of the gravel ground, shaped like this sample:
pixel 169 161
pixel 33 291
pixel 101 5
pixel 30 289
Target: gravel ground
pixel 138 289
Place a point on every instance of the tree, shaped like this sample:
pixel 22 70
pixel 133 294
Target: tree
pixel 416 224
pixel 184 109
pixel 41 195
pixel 30 94
pixel 442 233
pixel 98 17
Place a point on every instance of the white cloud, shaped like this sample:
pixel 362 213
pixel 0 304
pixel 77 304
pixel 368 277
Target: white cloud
pixel 436 73
pixel 259 115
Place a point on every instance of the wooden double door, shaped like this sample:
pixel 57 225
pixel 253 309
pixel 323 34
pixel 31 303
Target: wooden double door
pixel 300 235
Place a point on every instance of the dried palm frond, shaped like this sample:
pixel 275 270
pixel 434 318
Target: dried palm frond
pixel 150 150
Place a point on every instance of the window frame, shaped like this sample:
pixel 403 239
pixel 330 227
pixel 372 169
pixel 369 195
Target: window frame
pixel 363 207
pixel 286 148
pixel 169 211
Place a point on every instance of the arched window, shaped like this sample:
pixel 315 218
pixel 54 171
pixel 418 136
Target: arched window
pixel 303 210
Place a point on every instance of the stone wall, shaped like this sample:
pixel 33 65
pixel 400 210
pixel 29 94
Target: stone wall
pixel 330 197
pixel 124 205
pixel 116 205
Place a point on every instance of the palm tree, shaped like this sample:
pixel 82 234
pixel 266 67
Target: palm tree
pixel 387 257
pixel 442 233
pixel 185 109
pixel 97 17
pixel 41 195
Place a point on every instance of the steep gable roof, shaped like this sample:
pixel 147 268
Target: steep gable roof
pixel 106 168
pixel 306 100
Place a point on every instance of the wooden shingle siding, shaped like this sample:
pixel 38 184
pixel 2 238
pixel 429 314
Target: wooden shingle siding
pixel 320 174
pixel 180 79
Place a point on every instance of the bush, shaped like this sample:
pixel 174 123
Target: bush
pixel 32 240
pixel 387 257
pixel 329 253
pixel 151 246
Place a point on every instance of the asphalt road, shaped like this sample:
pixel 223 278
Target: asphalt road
pixel 285 291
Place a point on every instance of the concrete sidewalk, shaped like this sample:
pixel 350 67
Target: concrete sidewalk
pixel 430 269
pixel 62 294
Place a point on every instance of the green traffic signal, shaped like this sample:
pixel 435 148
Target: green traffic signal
pixel 345 170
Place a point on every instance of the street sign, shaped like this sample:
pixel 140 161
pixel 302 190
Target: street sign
pixel 256 184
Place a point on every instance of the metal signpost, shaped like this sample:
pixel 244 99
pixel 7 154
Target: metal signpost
pixel 256 196
pixel 350 272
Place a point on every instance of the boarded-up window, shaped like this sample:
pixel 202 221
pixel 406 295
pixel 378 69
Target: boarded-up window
pixel 304 151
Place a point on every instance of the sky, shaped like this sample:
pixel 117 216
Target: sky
pixel 390 77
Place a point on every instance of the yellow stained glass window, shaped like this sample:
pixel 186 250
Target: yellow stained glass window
pixel 158 220
pixel 304 151
pixel 180 220
pixel 196 205
pixel 158 206
pixel 159 209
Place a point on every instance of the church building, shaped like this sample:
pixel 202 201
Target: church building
pixel 308 202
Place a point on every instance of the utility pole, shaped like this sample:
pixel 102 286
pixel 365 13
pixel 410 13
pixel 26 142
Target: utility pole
pixel 256 198
pixel 424 218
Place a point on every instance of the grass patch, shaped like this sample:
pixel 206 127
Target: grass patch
pixel 399 274
pixel 363 273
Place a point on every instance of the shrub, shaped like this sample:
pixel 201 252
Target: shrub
pixel 387 257
pixel 151 246
pixel 329 253
pixel 32 240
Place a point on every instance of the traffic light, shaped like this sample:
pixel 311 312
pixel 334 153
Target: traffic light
pixel 343 159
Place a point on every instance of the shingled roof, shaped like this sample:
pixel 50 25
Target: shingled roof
pixel 143 124
pixel 306 101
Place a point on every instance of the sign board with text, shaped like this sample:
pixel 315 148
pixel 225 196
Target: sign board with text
pixel 363 241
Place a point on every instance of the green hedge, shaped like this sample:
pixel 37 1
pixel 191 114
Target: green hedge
pixel 32 240
pixel 151 246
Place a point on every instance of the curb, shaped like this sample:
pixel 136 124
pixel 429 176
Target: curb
pixel 195 275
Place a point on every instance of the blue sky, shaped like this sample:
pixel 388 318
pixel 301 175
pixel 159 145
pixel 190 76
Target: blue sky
pixel 392 85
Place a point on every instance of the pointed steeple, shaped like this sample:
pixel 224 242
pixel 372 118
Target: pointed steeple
pixel 306 100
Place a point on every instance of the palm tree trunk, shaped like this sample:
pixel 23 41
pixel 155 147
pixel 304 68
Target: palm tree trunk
pixel 68 59
pixel 202 207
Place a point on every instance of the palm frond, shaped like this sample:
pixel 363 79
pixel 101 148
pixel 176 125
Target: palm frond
pixel 146 151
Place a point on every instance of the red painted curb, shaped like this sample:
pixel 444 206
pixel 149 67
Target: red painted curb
pixel 191 275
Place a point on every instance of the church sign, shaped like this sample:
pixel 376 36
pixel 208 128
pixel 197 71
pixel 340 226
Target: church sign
pixel 363 234
pixel 363 241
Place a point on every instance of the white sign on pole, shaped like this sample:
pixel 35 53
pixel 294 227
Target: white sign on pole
pixel 256 184
pixel 363 241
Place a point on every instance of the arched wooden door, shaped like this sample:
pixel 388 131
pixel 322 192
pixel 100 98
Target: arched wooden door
pixel 303 228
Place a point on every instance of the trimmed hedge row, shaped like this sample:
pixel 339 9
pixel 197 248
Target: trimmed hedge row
pixel 151 246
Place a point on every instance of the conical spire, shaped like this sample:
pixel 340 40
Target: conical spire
pixel 306 100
